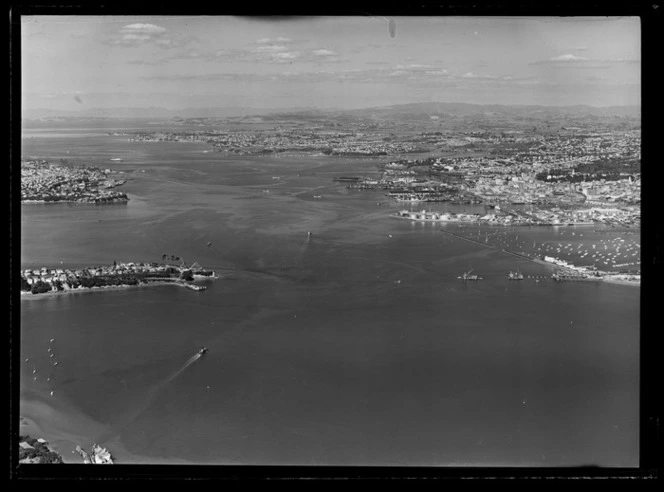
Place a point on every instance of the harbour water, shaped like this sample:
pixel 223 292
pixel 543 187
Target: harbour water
pixel 356 344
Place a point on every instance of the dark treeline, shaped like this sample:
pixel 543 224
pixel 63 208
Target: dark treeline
pixel 40 287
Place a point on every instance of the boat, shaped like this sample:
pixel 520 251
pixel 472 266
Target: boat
pixel 468 276
pixel 515 275
pixel 202 351
pixel 118 159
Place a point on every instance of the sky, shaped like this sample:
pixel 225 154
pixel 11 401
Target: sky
pixel 73 63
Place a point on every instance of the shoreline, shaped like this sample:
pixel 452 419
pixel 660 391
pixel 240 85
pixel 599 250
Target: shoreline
pixel 26 295
pixel 497 223
pixel 64 427
pixel 622 281
pixel 91 202
pixel 619 279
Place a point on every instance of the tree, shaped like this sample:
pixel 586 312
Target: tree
pixel 40 287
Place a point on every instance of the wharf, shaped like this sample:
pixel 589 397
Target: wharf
pixel 561 273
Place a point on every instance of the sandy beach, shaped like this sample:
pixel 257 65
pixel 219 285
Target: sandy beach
pixel 64 427
pixel 59 423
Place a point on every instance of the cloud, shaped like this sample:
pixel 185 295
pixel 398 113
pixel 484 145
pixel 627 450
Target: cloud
pixel 324 52
pixel 144 28
pixel 270 48
pixel 570 60
pixel 208 77
pixel 562 59
pixel 173 43
pixel 356 76
pixel 280 39
pixel 289 55
pixel 66 94
pixel 413 66
pixel 138 37
pixel 277 18
pixel 146 62
pixel 139 34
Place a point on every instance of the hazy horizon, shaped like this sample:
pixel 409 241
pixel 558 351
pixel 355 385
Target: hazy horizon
pixel 75 63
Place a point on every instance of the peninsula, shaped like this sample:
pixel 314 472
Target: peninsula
pixel 45 280
pixel 44 182
pixel 569 178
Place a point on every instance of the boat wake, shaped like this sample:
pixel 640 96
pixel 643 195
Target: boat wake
pixel 189 362
pixel 305 245
pixel 147 401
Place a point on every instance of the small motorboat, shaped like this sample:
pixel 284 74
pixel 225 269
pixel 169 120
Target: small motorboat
pixel 203 351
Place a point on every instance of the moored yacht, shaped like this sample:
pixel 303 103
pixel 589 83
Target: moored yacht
pixel 468 276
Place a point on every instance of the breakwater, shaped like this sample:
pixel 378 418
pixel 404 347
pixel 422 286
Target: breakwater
pixel 465 238
pixel 561 272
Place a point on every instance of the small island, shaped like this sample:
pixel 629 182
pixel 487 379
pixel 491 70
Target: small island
pixel 44 182
pixel 55 280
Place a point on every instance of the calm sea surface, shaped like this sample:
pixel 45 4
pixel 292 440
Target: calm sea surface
pixel 355 345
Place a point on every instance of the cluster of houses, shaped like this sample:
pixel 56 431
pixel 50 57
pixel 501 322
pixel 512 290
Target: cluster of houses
pixel 43 181
pixel 512 179
pixel 67 277
pixel 337 143
pixel 490 218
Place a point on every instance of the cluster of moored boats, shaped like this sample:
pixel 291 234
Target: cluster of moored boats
pixel 511 276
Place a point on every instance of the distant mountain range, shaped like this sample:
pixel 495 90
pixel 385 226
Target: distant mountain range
pixel 414 109
pixel 438 108
pixel 152 112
